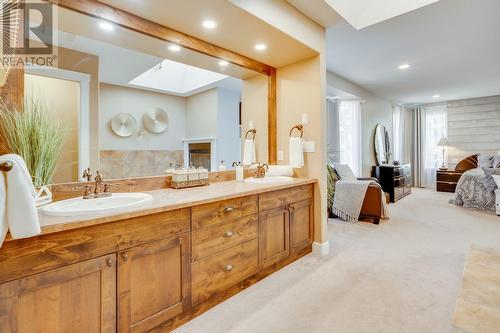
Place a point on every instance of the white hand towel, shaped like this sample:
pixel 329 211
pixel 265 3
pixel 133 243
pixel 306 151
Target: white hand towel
pixel 249 154
pixel 20 213
pixel 279 170
pixel 296 152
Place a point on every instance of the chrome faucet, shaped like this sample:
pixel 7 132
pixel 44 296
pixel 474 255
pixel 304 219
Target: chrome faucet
pixel 96 193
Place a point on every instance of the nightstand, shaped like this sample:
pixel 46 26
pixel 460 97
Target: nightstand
pixel 447 180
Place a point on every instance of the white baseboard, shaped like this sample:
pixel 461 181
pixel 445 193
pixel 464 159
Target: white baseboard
pixel 321 249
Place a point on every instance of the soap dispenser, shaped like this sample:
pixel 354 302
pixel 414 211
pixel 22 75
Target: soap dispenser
pixel 221 166
pixel 239 171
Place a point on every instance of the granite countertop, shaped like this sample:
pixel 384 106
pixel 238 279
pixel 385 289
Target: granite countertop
pixel 166 200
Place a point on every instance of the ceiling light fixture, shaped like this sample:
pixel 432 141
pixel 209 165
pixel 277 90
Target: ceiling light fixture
pixel 436 96
pixel 223 63
pixel 106 26
pixel 404 66
pixel 174 47
pixel 260 47
pixel 209 24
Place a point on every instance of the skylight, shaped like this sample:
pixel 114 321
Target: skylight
pixel 177 78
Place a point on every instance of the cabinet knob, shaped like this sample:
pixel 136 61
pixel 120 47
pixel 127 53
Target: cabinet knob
pixel 109 262
pixel 125 256
pixel 228 234
pixel 228 209
pixel 228 268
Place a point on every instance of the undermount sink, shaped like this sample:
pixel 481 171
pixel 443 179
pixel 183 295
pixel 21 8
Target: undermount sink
pixel 79 206
pixel 270 179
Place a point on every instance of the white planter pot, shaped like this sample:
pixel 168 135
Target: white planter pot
pixel 43 196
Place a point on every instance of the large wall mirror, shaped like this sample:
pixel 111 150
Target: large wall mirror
pixel 132 105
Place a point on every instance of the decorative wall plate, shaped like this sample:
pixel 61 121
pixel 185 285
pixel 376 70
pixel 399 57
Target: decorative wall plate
pixel 124 125
pixel 156 120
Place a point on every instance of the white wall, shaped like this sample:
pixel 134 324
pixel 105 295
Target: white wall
pixel 374 110
pixel 115 99
pixel 201 114
pixel 228 131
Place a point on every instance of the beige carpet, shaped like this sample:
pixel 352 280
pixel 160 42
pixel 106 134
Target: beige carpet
pixel 401 276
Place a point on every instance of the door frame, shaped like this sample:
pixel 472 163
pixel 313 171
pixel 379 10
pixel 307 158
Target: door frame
pixel 84 103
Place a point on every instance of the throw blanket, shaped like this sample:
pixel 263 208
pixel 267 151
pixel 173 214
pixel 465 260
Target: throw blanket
pixel 473 192
pixel 349 197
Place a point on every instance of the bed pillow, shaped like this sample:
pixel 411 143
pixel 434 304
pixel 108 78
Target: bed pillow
pixel 496 161
pixel 489 182
pixel 344 171
pixel 485 161
pixel 496 178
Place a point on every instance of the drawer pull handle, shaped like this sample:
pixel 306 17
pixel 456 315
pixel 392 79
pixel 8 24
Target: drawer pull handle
pixel 125 256
pixel 228 209
pixel 109 262
pixel 228 234
pixel 228 268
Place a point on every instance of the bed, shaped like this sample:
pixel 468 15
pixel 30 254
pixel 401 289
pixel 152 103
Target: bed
pixel 474 190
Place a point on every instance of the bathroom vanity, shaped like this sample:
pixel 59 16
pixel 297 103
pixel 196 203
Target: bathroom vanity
pixel 156 267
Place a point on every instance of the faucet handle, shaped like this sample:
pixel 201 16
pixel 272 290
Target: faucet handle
pixel 107 188
pixel 98 176
pixel 87 174
pixel 88 191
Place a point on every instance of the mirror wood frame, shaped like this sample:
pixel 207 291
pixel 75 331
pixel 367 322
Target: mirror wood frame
pixel 13 90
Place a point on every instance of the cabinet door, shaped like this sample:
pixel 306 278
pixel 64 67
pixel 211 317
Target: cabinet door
pixel 301 224
pixel 153 283
pixel 274 236
pixel 76 298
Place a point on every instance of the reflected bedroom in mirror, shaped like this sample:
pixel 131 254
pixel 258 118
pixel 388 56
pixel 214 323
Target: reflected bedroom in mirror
pixel 131 105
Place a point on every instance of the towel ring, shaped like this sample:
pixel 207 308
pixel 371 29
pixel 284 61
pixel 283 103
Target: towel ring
pixel 6 166
pixel 252 131
pixel 298 127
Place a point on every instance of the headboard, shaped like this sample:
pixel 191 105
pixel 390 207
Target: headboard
pixel 467 163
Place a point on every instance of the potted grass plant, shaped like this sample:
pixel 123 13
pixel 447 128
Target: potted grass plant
pixel 35 136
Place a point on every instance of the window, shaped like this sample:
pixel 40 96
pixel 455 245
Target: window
pixel 436 127
pixel 350 134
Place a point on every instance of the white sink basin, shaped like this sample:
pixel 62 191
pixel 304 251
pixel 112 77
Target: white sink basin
pixel 80 206
pixel 267 180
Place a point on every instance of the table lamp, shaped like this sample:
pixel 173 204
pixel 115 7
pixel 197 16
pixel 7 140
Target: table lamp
pixel 443 142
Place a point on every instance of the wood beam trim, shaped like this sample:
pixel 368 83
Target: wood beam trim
pixel 138 24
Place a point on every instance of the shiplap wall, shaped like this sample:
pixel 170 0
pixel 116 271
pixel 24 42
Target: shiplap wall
pixel 473 127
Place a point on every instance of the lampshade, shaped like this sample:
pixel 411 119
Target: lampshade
pixel 443 142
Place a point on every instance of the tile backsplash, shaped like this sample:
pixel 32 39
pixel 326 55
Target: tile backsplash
pixel 138 163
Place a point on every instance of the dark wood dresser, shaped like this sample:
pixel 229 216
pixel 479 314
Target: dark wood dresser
pixel 447 180
pixel 394 179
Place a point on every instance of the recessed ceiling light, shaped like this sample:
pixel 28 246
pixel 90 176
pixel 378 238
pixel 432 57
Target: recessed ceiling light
pixel 436 96
pixel 174 47
pixel 209 24
pixel 223 63
pixel 260 47
pixel 404 66
pixel 106 26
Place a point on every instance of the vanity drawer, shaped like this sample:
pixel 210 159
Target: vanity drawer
pixel 221 211
pixel 270 200
pixel 217 238
pixel 219 272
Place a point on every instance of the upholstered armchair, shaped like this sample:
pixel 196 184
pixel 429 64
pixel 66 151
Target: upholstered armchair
pixel 372 203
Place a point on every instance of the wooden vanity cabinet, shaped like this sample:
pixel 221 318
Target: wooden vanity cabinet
pixel 76 298
pixel 153 283
pixel 286 224
pixel 153 272
pixel 301 225
pixel 274 236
